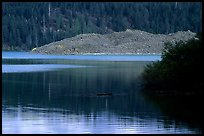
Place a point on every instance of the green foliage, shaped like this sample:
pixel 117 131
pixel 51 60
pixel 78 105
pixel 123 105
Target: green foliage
pixel 179 71
pixel 32 24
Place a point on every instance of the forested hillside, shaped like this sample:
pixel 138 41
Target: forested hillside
pixel 26 25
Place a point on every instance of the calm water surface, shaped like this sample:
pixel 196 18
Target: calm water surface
pixel 58 94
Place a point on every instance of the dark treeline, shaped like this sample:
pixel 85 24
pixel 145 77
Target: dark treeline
pixel 26 25
pixel 179 72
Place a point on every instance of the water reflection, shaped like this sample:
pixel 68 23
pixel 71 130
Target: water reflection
pixel 66 122
pixel 36 67
pixel 65 101
pixel 80 83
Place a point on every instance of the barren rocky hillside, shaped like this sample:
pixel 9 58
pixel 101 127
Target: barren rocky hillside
pixel 125 42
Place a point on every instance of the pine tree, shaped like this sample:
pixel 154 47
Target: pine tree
pixel 43 19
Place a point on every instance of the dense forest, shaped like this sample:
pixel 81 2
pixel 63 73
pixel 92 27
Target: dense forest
pixel 26 25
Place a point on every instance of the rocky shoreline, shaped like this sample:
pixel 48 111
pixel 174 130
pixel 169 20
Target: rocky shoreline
pixel 129 42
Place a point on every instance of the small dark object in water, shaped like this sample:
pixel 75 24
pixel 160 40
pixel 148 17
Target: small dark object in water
pixel 104 94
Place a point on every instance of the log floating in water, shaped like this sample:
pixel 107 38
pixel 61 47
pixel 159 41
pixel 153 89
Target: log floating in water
pixel 104 94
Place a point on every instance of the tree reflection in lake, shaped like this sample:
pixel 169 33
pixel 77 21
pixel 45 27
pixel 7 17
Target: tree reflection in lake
pixel 65 101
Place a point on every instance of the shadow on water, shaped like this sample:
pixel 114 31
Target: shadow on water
pixel 186 109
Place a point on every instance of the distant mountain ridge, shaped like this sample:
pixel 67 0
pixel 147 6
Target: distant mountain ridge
pixel 124 42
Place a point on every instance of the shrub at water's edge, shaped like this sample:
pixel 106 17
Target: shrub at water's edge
pixel 179 72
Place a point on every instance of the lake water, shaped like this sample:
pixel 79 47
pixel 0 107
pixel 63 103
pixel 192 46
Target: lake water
pixel 58 94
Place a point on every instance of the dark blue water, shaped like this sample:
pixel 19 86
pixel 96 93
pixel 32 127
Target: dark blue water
pixel 28 55
pixel 58 94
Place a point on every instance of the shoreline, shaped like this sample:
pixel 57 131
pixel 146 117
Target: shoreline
pixel 100 54
pixel 95 54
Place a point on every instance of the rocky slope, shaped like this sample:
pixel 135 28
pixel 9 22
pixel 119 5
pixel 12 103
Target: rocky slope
pixel 125 42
